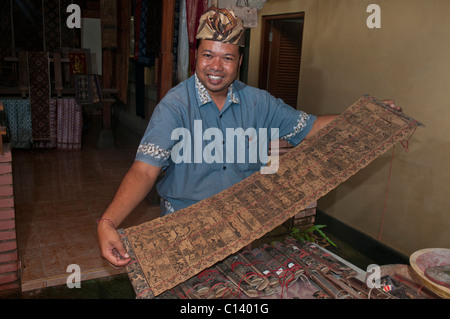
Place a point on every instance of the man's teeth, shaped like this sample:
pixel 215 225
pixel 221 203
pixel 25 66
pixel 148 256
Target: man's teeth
pixel 215 77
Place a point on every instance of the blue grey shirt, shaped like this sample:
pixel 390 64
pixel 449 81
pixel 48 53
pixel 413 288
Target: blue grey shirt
pixel 202 150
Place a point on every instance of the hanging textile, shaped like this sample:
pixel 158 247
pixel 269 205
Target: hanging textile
pixel 69 125
pixel 18 122
pixel 137 27
pixel 87 89
pixel 80 63
pixel 147 31
pixel 194 9
pixel 183 45
pixel 80 60
pixel 53 122
pixel 147 22
pixel 176 31
pixel 52 25
pixel 68 35
pixel 39 85
pixel 140 22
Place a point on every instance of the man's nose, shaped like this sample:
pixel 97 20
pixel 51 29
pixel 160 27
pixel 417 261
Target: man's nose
pixel 216 64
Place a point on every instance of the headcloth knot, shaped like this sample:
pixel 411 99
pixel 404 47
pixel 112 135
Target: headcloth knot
pixel 221 25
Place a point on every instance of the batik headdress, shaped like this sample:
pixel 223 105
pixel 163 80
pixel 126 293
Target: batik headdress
pixel 221 25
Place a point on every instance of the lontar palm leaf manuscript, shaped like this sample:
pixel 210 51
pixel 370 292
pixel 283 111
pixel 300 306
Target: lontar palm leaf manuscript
pixel 171 249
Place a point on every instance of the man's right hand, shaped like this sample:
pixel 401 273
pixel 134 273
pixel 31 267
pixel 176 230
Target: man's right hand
pixel 111 246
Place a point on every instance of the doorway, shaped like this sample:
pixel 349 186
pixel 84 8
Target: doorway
pixel 281 56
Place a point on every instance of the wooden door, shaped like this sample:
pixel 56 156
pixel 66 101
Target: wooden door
pixel 281 57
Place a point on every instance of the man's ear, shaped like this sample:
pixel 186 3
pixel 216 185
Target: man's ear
pixel 240 63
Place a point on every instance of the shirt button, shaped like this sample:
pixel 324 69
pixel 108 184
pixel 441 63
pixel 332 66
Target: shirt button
pixel 224 168
pixel 220 116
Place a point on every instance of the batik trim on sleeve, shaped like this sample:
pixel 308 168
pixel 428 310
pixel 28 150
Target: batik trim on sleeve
pixel 301 124
pixel 167 206
pixel 153 150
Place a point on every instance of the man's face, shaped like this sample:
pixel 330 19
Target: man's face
pixel 217 65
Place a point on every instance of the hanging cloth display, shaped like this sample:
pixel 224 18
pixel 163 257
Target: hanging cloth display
pixel 194 10
pixel 183 45
pixel 39 82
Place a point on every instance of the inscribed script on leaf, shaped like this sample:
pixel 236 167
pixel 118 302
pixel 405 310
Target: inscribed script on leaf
pixel 169 250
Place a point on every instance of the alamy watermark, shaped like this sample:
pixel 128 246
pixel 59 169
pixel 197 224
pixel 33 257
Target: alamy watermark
pixel 249 142
pixel 374 19
pixel 74 279
pixel 74 19
pixel 373 276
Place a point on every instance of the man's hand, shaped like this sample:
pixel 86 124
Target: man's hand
pixel 111 246
pixel 135 186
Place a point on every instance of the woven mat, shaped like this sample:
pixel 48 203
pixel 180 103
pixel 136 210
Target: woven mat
pixel 171 249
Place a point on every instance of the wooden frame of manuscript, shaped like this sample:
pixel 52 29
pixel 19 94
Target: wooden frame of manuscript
pixel 169 250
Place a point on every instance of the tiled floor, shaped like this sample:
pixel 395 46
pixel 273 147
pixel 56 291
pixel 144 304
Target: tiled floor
pixel 58 197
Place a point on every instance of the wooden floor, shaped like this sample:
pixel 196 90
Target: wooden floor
pixel 58 197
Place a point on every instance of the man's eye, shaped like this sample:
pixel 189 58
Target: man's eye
pixel 208 56
pixel 229 59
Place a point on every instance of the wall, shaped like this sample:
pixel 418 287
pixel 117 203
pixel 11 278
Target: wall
pixel 408 60
pixel 91 39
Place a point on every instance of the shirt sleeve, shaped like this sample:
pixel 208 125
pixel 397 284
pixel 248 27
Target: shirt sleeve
pixel 301 128
pixel 156 144
pixel 293 125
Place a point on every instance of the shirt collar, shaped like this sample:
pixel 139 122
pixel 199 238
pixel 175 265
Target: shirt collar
pixel 204 97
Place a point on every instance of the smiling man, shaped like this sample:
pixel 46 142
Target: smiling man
pixel 214 98
pixel 217 65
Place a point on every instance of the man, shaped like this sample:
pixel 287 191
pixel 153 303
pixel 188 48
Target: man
pixel 210 99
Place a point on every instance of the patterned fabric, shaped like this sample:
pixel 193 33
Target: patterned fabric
pixel 69 125
pixel 75 66
pixel 221 25
pixel 147 31
pixel 53 122
pixel 204 96
pixel 194 9
pixel 39 82
pixel 78 62
pixel 87 89
pixel 142 44
pixel 18 122
pixel 166 207
pixel 301 123
pixel 68 36
pixel 52 25
pixel 153 150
